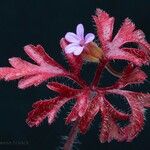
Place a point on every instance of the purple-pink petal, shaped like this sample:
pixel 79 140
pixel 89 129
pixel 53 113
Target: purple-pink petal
pixel 89 38
pixel 78 51
pixel 71 48
pixel 72 37
pixel 74 48
pixel 80 31
pixel 77 41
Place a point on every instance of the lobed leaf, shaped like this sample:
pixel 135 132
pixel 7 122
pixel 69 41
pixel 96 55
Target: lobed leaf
pixel 32 74
pixel 130 75
pixel 136 120
pixel 82 102
pixel 104 24
pixel 113 49
pixel 62 89
pixel 90 113
pixel 45 108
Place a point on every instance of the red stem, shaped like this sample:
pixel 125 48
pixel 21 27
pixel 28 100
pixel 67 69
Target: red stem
pixel 99 70
pixel 81 82
pixel 72 136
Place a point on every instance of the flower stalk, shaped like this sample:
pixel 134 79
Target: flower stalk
pixel 72 136
pixel 99 70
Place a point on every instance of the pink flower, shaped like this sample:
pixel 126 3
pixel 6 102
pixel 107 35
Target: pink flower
pixel 78 41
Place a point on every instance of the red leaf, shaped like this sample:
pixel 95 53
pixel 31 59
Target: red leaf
pixel 137 115
pixel 124 55
pixel 38 54
pixel 91 112
pixel 43 109
pixel 32 80
pixel 80 107
pixel 143 98
pixel 127 33
pixel 131 75
pixel 62 89
pixel 99 103
pixel 104 25
pixel 32 74
pixel 109 128
pixel 139 55
pixel 113 48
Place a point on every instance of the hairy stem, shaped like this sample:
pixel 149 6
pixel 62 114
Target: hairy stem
pixel 81 82
pixel 72 136
pixel 99 70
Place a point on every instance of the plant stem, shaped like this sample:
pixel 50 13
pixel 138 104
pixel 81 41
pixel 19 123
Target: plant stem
pixel 72 136
pixel 81 82
pixel 99 70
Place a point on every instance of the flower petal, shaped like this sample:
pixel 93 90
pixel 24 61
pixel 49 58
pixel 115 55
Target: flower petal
pixel 78 50
pixel 74 48
pixel 89 38
pixel 71 48
pixel 80 31
pixel 72 37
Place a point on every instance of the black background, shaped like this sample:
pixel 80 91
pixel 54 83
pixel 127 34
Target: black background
pixel 45 21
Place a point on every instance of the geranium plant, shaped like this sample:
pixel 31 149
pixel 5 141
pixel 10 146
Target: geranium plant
pixel 90 98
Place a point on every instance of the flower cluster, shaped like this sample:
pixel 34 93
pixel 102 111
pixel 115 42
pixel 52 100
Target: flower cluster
pixel 90 99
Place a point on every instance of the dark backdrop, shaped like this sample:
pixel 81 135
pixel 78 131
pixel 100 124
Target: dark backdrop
pixel 45 21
